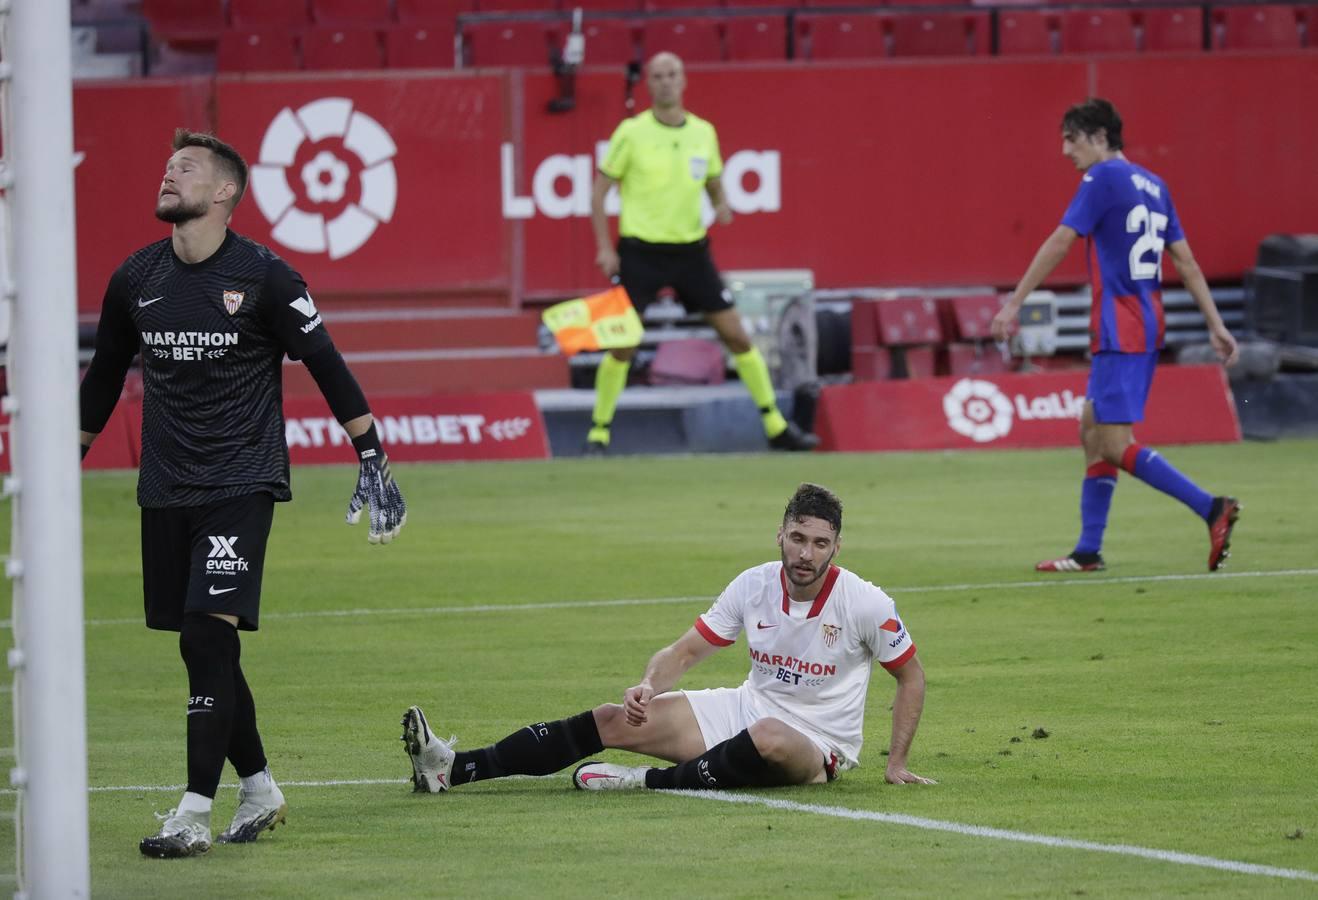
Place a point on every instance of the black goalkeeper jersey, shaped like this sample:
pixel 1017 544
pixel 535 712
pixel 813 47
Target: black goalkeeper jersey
pixel 212 336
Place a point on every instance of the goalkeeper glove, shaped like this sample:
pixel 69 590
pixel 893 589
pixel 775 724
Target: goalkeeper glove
pixel 376 489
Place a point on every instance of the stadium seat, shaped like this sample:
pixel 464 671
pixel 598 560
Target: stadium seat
pixel 1172 28
pixel 969 317
pixel 907 321
pixel 269 13
pixel 972 359
pixel 419 46
pixel 1256 28
pixel 693 39
pixel 509 43
pixel 760 4
pixel 591 6
pixel 756 37
pixel 424 12
pixel 675 5
pixel 609 41
pixel 937 34
pixel 832 3
pixel 871 363
pixel 1025 31
pixel 341 48
pixel 839 36
pixel 1098 30
pixel 496 6
pixel 258 50
pixel 350 12
pixel 184 20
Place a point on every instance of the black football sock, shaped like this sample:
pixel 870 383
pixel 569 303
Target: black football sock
pixel 209 647
pixel 245 749
pixel 734 763
pixel 540 749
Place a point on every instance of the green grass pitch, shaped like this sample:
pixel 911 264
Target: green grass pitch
pixel 1180 708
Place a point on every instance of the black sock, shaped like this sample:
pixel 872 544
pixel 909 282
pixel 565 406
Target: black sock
pixel 734 763
pixel 539 749
pixel 245 749
pixel 209 647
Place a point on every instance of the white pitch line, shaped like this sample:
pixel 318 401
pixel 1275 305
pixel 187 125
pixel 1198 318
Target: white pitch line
pixel 842 812
pixel 661 601
pixel 1168 856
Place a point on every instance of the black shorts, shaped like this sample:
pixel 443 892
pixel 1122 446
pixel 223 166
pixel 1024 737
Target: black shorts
pixel 688 269
pixel 205 559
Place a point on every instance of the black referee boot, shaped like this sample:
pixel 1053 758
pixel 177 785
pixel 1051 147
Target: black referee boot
pixel 793 439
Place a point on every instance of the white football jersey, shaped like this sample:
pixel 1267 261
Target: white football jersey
pixel 811 662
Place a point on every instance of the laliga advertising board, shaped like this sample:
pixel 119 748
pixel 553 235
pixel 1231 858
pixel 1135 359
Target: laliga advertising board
pixel 1188 404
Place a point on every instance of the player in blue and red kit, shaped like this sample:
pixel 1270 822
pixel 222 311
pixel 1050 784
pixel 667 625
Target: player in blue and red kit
pixel 1126 216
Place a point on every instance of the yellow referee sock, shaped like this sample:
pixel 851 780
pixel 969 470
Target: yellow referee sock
pixel 610 379
pixel 754 373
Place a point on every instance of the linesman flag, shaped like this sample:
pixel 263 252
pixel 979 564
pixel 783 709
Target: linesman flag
pixel 603 321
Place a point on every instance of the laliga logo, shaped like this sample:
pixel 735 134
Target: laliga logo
pixel 320 147
pixel 978 410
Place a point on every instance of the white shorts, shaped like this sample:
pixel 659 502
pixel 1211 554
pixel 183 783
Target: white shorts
pixel 723 713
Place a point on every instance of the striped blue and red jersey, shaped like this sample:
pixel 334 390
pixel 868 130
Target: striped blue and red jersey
pixel 1126 216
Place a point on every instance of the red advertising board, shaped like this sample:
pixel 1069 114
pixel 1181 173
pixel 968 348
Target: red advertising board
pixel 1188 404
pixel 425 429
pixel 119 445
pixel 910 172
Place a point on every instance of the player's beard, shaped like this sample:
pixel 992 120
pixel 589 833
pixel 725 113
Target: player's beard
pixel 817 572
pixel 180 212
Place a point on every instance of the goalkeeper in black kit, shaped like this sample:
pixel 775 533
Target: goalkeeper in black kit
pixel 212 315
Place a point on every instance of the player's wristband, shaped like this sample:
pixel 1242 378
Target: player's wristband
pixel 367 445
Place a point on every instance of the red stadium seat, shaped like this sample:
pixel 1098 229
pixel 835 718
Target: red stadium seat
pixel 756 37
pixel 839 36
pixel 1098 30
pixel 423 12
pixel 350 12
pixel 674 5
pixel 255 50
pixel 591 6
pixel 1256 28
pixel 825 3
pixel 184 20
pixel 1172 28
pixel 419 46
pixel 1025 31
pixel 509 43
pixel 609 41
pixel 269 13
pixel 969 317
pixel 694 40
pixel 747 4
pixel 516 5
pixel 973 359
pixel 341 48
pixel 907 321
pixel 938 34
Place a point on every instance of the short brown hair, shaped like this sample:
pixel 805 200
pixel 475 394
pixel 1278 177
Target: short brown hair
pixel 814 501
pixel 230 161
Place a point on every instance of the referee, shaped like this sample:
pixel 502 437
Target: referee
pixel 212 315
pixel 664 159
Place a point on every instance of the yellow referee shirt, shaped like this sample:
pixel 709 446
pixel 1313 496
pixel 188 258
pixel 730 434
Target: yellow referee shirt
pixel 662 170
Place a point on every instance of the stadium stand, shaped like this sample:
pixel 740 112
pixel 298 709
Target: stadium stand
pixel 1263 27
pixel 1025 32
pixel 512 43
pixel 695 39
pixel 269 13
pixel 351 12
pixel 419 46
pixel 425 12
pixel 258 50
pixel 1098 31
pixel 923 34
pixel 839 35
pixel 756 37
pixel 610 41
pixel 325 48
pixel 1171 28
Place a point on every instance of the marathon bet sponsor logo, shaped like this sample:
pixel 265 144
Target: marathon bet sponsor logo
pixel 979 410
pixel 330 195
pixel 223 558
pixel 316 431
pixel 189 346
pixel 307 307
pixel 752 183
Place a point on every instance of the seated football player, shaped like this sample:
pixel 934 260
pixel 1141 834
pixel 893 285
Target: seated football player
pixel 813 631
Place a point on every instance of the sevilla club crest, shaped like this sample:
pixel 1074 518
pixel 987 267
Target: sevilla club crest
pixel 233 300
pixel 831 633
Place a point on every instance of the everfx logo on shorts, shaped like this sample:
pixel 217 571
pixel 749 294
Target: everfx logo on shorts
pixel 223 559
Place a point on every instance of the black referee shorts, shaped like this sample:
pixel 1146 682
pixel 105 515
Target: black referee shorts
pixel 205 559
pixel 645 268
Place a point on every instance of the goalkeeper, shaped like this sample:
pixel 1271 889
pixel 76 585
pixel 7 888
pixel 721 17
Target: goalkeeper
pixel 212 315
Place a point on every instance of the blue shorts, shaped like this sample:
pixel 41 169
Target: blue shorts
pixel 1119 386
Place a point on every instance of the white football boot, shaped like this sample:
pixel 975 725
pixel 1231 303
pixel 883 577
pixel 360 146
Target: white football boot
pixel 258 810
pixel 432 759
pixel 182 834
pixel 601 776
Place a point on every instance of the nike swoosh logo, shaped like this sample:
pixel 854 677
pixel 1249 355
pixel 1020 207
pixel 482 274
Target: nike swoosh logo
pixel 761 625
pixel 588 777
pixel 217 591
pixel 141 302
pixel 191 711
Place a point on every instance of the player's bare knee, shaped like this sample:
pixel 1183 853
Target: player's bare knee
pixel 773 738
pixel 610 720
pixel 737 345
